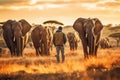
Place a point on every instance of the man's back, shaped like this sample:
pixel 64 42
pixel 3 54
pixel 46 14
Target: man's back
pixel 59 38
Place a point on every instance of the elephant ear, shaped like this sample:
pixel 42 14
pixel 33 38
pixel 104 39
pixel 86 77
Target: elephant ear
pixel 7 24
pixel 78 24
pixel 25 26
pixel 98 26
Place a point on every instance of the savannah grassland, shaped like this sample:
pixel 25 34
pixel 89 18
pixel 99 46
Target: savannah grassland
pixel 29 67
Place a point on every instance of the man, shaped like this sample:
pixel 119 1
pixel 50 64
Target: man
pixel 59 39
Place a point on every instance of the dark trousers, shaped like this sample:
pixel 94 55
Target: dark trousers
pixel 58 50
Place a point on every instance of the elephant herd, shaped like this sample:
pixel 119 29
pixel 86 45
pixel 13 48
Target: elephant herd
pixel 15 34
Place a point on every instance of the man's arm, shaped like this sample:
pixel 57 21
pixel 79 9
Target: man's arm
pixel 64 38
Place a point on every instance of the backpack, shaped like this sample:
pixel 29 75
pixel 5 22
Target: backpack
pixel 58 38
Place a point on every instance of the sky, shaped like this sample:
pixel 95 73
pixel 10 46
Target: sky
pixel 65 11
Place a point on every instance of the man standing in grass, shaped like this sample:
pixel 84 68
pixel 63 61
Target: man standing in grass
pixel 59 39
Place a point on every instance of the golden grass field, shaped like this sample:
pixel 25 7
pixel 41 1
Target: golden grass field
pixel 29 67
pixel 105 67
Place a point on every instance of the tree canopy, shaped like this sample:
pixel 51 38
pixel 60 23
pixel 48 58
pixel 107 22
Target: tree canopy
pixel 115 28
pixel 53 21
pixel 115 35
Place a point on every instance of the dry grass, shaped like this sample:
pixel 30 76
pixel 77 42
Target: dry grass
pixel 105 67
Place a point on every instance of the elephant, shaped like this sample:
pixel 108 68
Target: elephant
pixel 50 31
pixel 73 42
pixel 89 31
pixel 104 43
pixel 40 40
pixel 15 35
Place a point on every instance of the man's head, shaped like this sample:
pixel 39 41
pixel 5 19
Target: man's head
pixel 60 28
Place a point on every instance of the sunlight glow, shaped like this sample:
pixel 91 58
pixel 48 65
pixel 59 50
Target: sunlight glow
pixel 18 7
pixel 1 7
pixel 53 6
pixel 33 1
pixel 89 5
pixel 67 9
pixel 105 1
pixel 40 7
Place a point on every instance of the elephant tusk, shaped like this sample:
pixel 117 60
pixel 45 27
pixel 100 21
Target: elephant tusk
pixel 93 28
pixel 14 38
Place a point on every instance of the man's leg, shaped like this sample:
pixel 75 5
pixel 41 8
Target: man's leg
pixel 62 51
pixel 57 51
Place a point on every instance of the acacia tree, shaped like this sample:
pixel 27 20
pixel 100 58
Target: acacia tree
pixel 115 29
pixel 52 23
pixel 116 36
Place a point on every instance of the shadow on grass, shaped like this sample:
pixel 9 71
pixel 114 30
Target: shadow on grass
pixel 113 74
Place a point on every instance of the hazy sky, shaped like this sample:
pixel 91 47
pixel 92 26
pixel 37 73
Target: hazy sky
pixel 66 11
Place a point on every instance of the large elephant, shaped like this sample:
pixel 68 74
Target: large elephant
pixel 15 35
pixel 40 40
pixel 73 42
pixel 89 32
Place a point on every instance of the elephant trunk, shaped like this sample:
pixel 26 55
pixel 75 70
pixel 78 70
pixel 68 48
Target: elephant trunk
pixel 19 46
pixel 94 36
pixel 91 44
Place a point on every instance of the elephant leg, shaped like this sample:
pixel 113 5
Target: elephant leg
pixel 22 46
pixel 96 45
pixel 37 51
pixel 75 45
pixel 70 46
pixel 19 47
pixel 91 50
pixel 41 49
pixel 85 49
pixel 48 52
pixel 96 48
pixel 12 49
pixel 84 44
pixel 46 48
pixel 9 43
pixel 91 45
